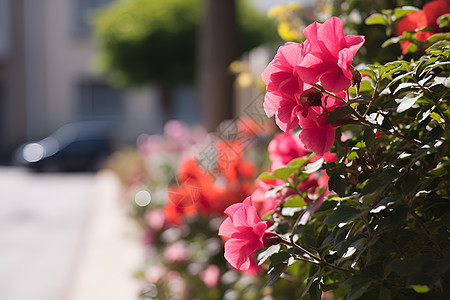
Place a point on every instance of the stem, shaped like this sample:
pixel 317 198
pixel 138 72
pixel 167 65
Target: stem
pixel 328 93
pixel 318 259
pixel 366 223
pixel 419 220
pixel 376 126
pixel 373 97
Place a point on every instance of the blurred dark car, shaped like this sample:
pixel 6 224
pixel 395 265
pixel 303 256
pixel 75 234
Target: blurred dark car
pixel 79 146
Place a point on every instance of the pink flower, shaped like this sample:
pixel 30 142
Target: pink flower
pixel 329 55
pixel 316 135
pixel 211 276
pixel 246 233
pixel 263 203
pixel 176 252
pixel 284 86
pixel 285 147
pixel 156 219
pixel 154 273
pixel 254 269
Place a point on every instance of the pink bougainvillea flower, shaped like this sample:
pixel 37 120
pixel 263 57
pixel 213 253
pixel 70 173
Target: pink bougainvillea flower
pixel 284 86
pixel 427 17
pixel 246 233
pixel 329 55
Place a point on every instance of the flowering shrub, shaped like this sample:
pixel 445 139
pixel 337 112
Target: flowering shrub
pixel 353 202
pixel 382 231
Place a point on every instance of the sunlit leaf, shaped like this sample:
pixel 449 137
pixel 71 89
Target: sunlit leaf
pixel 376 19
pixel 343 214
pixel 276 271
pixel 404 10
pixel 407 101
pixel 263 256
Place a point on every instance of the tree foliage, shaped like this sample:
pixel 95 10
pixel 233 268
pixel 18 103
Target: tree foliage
pixel 150 40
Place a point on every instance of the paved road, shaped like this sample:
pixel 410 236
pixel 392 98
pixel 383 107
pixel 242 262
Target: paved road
pixel 55 237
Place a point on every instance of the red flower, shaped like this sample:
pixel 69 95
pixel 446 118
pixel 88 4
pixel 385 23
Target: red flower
pixel 194 192
pixel 230 162
pixel 246 233
pixel 421 19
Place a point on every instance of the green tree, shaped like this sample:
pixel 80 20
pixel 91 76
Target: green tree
pixel 142 41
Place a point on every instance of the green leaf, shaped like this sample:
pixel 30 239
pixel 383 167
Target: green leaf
pixel 399 66
pixel 358 290
pixel 263 256
pixel 295 201
pixel 314 291
pixel 435 116
pixel 407 101
pixel 404 10
pixel 426 149
pixel 327 205
pixel 405 85
pixel 375 19
pixel 366 87
pixel 276 271
pixel 437 37
pixel 382 205
pixel 443 80
pixel 369 72
pixel 339 113
pixel 314 167
pixel 385 294
pixel 400 77
pixel 369 138
pixel 374 186
pixel 421 289
pixel 444 20
pixel 439 48
pixel 299 161
pixel 343 214
pixel 282 173
pixel 279 257
pixel 392 40
pixel 336 183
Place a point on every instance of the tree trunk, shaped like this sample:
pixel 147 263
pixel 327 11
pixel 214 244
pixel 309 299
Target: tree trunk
pixel 217 49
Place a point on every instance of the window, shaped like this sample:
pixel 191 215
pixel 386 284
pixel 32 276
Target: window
pixel 4 28
pixel 99 100
pixel 82 12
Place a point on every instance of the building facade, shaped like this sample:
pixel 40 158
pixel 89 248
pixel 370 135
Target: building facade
pixel 46 76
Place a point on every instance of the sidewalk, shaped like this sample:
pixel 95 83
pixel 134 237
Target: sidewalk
pixel 110 249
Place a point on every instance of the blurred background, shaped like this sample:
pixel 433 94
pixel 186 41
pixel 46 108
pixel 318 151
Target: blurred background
pixel 133 63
